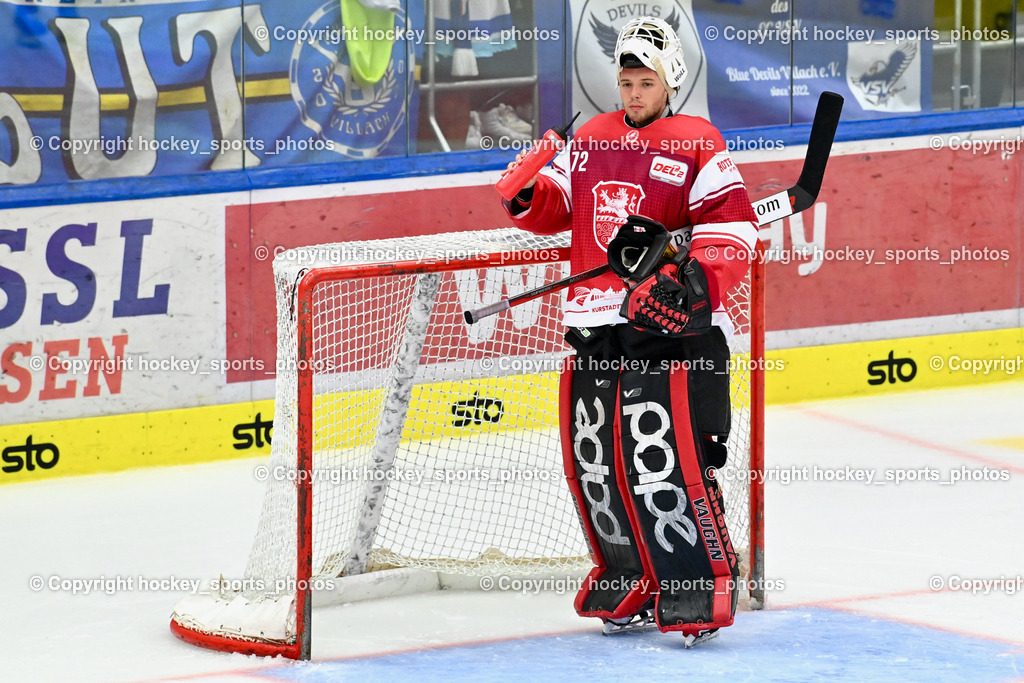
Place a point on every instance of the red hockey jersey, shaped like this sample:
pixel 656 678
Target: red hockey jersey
pixel 676 171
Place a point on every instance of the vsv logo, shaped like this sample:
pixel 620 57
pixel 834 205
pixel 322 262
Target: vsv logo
pixel 29 456
pixel 891 370
pixel 255 433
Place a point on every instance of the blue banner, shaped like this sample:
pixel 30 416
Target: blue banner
pixel 768 60
pixel 101 89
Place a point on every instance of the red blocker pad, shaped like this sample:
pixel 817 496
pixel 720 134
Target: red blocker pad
pixel 678 509
pixel 620 583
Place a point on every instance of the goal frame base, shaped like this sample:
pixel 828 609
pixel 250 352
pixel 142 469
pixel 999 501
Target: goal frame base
pixel 242 646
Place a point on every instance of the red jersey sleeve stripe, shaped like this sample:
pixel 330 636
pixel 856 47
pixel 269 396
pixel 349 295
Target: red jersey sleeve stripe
pixel 740 232
pixel 733 187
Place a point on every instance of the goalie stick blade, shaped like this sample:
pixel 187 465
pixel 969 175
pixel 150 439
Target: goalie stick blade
pixel 819 146
pixel 802 196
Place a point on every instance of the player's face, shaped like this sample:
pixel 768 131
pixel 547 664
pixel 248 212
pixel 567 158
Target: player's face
pixel 643 96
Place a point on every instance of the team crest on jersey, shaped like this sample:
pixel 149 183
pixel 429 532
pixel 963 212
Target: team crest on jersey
pixel 614 202
pixel 359 121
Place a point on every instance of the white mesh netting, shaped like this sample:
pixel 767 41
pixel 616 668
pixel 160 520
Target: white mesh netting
pixel 459 471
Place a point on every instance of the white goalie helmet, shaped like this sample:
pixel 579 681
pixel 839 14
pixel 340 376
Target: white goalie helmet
pixel 653 42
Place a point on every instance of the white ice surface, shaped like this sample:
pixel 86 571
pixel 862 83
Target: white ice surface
pixel 869 549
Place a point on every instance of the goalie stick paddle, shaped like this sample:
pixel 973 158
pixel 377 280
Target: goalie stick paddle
pixel 774 207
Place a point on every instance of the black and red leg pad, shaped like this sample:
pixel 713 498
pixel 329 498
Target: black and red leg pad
pixel 620 583
pixel 677 507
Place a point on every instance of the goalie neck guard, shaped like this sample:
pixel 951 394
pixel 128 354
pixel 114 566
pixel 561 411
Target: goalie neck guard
pixel 651 42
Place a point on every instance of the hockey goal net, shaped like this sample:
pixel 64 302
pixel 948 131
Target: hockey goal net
pixel 409 444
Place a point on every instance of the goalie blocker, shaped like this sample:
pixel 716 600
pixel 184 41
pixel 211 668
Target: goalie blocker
pixel 643 420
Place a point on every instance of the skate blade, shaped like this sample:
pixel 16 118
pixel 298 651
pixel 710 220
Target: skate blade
pixel 694 641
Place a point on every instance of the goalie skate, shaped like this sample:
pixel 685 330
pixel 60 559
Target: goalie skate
pixel 637 623
pixel 702 637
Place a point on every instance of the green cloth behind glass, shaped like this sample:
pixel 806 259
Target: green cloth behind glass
pixel 368 57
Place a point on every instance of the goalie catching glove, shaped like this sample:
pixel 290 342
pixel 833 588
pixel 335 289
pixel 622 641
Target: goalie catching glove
pixel 670 297
pixel 640 247
pixel 673 301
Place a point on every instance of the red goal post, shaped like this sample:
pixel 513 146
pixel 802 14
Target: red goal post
pixel 383 378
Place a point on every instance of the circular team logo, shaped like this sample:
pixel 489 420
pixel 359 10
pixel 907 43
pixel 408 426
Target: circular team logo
pixel 614 202
pixel 360 122
pixel 594 51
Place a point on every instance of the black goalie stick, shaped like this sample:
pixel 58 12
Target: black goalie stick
pixel 774 207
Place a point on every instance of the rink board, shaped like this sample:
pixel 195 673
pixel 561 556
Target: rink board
pixel 450 409
pixel 894 365
pixel 211 433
